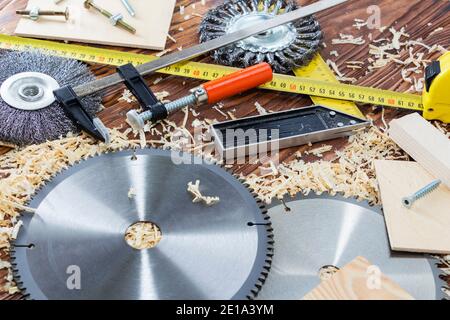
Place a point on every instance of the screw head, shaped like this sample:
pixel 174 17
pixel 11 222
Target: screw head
pixel 407 202
pixel 88 4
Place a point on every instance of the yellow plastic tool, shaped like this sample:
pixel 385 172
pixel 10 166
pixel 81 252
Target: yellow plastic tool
pixel 436 94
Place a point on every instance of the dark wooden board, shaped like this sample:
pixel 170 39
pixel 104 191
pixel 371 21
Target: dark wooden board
pixel 415 15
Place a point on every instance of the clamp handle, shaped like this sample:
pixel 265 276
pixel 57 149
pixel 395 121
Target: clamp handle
pixel 136 84
pixel 74 109
pixel 238 82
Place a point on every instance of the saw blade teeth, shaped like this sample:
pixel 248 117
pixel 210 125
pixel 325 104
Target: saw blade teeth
pixel 261 207
pixel 243 7
pixel 253 5
pixel 266 5
pixel 277 8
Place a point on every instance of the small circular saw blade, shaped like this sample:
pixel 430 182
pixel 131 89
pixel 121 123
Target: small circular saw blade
pixel 206 252
pixel 314 232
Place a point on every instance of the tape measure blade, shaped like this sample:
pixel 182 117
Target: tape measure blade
pixel 318 69
pixel 315 80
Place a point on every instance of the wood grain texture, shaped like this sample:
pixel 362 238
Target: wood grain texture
pixel 425 226
pixel 424 143
pixel 152 22
pixel 358 280
pixel 416 15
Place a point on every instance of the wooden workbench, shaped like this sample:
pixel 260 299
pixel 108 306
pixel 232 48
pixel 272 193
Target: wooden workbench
pixel 420 17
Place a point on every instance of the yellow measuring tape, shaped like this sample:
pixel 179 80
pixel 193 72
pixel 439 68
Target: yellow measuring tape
pixel 315 79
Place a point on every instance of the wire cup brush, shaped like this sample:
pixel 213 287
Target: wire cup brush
pixel 29 112
pixel 285 47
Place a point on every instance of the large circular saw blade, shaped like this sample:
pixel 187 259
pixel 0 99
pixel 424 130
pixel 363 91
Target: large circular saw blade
pixel 206 252
pixel 319 231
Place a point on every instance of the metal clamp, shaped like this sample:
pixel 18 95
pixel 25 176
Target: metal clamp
pixel 136 84
pixel 77 113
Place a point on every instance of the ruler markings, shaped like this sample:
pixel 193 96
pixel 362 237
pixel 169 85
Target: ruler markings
pixel 315 80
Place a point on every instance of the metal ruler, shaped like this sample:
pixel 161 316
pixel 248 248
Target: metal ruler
pixel 315 79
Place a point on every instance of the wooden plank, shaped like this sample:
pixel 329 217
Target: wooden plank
pixel 425 226
pixel 358 280
pixel 152 22
pixel 424 143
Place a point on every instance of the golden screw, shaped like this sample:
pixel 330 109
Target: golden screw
pixel 35 13
pixel 116 19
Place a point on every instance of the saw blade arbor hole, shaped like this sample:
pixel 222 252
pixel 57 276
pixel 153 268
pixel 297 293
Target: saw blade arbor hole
pixel 326 272
pixel 143 235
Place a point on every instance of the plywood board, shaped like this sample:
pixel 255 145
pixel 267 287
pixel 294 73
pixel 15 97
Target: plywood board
pixel 358 280
pixel 424 143
pixel 152 22
pixel 425 227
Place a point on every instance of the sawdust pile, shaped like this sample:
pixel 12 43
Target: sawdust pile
pixel 352 172
pixel 411 56
pixel 23 171
pixel 143 235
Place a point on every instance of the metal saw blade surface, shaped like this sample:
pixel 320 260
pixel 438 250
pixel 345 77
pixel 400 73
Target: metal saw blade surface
pixel 81 219
pixel 321 231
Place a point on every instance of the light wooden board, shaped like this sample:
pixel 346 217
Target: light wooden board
pixel 152 22
pixel 358 280
pixel 424 143
pixel 425 227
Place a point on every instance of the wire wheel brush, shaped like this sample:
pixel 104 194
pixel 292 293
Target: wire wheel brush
pixel 285 47
pixel 29 112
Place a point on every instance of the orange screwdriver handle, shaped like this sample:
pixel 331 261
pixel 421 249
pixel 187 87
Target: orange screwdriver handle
pixel 238 82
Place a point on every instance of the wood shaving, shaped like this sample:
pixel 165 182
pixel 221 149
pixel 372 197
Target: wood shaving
pixel 194 190
pixel 131 193
pixel 160 54
pixel 143 235
pixel 217 108
pixel 318 152
pixel 127 96
pixel 260 109
pixel 158 80
pixel 334 53
pixel 436 31
pixel 339 75
pixel 172 38
pixel 351 173
pixel 348 39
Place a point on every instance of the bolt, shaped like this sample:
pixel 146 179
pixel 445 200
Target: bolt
pixel 408 201
pixel 116 19
pixel 340 124
pixel 35 13
pixel 137 121
pixel 129 8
